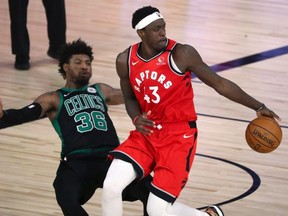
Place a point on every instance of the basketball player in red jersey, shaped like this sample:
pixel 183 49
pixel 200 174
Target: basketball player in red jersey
pixel 156 84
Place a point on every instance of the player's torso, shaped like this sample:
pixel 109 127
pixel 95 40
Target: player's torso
pixel 167 93
pixel 82 121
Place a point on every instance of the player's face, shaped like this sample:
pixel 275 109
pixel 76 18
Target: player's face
pixel 154 35
pixel 79 70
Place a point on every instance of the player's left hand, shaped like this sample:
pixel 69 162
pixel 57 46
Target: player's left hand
pixel 267 113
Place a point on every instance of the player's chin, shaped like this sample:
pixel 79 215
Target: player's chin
pixel 161 48
pixel 161 45
pixel 163 42
pixel 83 81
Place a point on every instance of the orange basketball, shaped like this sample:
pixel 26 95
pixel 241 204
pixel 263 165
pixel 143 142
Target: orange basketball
pixel 263 134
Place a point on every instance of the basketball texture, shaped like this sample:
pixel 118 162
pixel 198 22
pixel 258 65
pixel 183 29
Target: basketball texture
pixel 263 134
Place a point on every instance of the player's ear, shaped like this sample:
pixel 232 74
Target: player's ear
pixel 65 67
pixel 140 33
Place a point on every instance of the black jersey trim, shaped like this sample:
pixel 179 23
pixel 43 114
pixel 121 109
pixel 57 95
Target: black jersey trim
pixel 170 61
pixel 127 158
pixel 161 193
pixel 96 152
pixel 128 60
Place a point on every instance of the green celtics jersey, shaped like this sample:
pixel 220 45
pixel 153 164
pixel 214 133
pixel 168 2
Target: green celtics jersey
pixel 83 124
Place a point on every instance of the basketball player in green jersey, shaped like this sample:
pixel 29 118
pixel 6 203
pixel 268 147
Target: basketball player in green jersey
pixel 78 113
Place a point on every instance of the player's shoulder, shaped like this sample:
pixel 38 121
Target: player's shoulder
pixel 104 89
pixel 50 100
pixel 181 47
pixel 103 86
pixel 49 95
pixel 100 85
pixel 184 50
pixel 122 56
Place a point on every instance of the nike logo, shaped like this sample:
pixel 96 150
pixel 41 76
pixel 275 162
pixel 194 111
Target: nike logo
pixel 187 136
pixel 31 106
pixel 65 95
pixel 134 63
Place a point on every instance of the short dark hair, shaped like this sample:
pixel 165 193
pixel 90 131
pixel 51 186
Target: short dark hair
pixel 141 13
pixel 67 50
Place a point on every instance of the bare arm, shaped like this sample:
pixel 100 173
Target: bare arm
pixel 49 103
pixel 131 103
pixel 189 59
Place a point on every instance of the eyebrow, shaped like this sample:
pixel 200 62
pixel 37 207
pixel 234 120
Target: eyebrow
pixel 79 59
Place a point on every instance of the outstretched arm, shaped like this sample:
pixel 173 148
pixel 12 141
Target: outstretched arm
pixel 12 117
pixel 189 59
pixel 45 105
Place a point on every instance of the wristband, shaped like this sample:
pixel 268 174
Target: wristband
pixel 135 119
pixel 14 117
pixel 4 113
pixel 260 108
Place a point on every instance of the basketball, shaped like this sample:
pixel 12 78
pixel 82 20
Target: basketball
pixel 263 134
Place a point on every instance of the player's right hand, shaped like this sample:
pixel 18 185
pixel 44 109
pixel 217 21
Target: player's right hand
pixel 143 124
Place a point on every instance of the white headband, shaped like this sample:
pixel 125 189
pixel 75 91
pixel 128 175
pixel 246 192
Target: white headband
pixel 147 20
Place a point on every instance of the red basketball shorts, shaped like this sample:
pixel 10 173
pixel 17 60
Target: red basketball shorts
pixel 168 153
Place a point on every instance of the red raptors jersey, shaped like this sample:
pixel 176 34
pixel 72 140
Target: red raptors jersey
pixel 160 88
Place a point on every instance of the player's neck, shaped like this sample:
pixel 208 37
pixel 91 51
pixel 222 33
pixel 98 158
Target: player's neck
pixel 147 52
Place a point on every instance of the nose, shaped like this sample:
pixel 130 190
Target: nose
pixel 84 65
pixel 163 32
